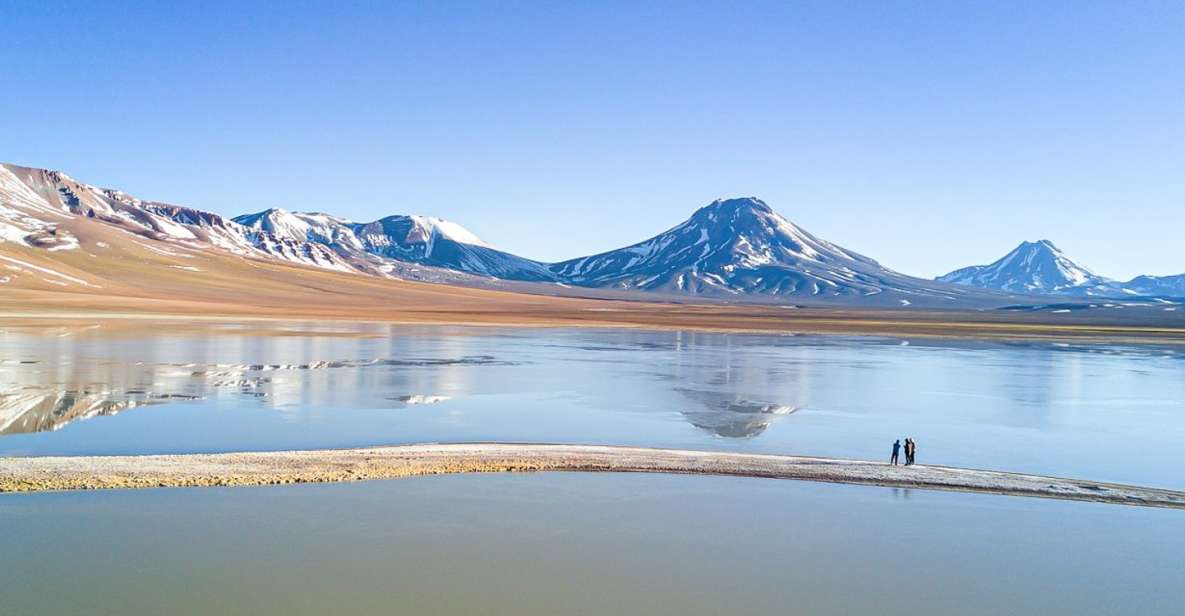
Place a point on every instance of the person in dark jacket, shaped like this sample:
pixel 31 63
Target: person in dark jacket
pixel 896 450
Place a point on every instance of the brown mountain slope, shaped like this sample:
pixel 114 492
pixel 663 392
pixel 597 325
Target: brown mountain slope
pixel 112 273
pixel 129 282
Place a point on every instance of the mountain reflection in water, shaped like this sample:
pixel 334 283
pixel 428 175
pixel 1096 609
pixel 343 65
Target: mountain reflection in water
pixel 44 411
pixel 80 393
pixel 27 405
pixel 723 415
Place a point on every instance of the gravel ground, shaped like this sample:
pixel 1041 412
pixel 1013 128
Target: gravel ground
pixel 38 474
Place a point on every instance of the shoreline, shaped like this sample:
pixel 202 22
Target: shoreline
pixel 45 474
pixel 812 321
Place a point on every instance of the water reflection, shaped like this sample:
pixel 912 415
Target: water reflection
pixel 33 411
pixel 43 400
pixel 1032 408
pixel 722 414
pixel 27 407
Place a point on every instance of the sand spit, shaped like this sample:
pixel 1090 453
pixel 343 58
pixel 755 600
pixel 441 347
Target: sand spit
pixel 37 474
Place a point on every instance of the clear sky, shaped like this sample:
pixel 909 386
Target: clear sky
pixel 927 135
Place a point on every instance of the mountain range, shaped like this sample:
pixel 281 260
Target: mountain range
pixel 1041 268
pixel 423 240
pixel 732 249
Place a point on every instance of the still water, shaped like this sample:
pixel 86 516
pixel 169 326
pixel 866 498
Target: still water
pixel 590 544
pixel 582 544
pixel 1101 412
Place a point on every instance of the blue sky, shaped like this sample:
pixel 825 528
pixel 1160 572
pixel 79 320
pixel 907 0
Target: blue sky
pixel 927 135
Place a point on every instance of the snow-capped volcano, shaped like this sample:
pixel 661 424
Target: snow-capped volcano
pixel 423 240
pixel 1033 267
pixel 741 246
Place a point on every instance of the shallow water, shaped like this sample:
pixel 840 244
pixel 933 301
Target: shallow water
pixel 590 544
pixel 582 544
pixel 1101 412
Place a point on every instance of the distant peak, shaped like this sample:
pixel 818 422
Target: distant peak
pixel 1032 267
pixel 1040 244
pixel 272 219
pixel 270 212
pixel 432 226
pixel 728 208
pixel 740 202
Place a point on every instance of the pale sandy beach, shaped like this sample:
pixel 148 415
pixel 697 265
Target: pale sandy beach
pixel 40 474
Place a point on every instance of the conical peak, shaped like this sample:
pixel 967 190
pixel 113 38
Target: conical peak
pixel 740 205
pixel 1043 245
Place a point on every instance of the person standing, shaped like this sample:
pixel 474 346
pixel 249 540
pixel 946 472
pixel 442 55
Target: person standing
pixel 908 452
pixel 913 451
pixel 896 450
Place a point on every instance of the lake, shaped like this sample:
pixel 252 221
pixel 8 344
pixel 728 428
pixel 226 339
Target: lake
pixel 1102 412
pixel 583 544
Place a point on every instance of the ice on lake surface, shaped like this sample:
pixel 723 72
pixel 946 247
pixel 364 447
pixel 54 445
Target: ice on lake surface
pixel 1096 411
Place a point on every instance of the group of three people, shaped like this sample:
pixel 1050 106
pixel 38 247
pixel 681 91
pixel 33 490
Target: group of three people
pixel 911 449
